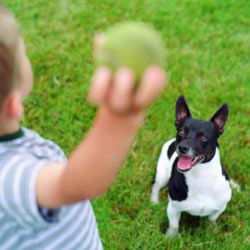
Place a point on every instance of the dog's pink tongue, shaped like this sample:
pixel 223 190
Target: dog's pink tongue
pixel 184 163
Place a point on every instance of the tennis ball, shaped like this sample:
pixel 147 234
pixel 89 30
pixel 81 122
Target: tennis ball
pixel 131 44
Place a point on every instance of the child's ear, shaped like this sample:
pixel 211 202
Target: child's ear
pixel 14 106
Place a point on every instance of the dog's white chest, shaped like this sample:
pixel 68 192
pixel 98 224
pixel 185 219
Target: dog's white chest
pixel 208 190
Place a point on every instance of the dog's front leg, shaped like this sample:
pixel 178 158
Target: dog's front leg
pixel 157 186
pixel 174 219
pixel 161 179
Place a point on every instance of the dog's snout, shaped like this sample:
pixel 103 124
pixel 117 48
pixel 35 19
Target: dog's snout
pixel 182 149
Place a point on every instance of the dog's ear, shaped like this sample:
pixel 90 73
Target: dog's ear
pixel 219 118
pixel 181 112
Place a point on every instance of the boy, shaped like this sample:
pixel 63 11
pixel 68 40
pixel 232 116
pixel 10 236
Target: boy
pixel 44 198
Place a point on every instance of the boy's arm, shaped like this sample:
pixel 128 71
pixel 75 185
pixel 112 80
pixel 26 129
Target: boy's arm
pixel 92 166
pixel 96 161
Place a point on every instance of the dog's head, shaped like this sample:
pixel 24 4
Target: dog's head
pixel 196 140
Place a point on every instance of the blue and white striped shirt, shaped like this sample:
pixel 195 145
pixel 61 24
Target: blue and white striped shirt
pixel 23 225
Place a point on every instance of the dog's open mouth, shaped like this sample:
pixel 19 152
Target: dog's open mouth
pixel 186 163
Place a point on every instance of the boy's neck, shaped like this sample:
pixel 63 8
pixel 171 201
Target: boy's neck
pixel 9 127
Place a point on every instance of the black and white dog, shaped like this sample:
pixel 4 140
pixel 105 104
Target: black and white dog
pixel 190 165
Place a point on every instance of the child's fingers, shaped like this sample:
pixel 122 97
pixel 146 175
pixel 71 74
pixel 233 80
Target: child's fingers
pixel 121 93
pixel 152 83
pixel 100 85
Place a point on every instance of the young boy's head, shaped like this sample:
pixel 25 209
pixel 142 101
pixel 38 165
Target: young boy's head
pixel 15 69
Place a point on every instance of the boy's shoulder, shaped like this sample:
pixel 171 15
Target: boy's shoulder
pixel 30 144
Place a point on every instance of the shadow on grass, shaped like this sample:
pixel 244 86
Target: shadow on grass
pixel 187 223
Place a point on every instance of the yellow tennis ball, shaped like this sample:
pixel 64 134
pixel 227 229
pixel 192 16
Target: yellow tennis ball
pixel 131 44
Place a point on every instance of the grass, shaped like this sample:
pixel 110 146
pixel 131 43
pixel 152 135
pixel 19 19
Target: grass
pixel 208 46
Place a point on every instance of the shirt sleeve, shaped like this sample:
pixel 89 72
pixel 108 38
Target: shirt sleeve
pixel 17 192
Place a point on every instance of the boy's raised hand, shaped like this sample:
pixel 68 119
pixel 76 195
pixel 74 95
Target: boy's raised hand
pixel 118 91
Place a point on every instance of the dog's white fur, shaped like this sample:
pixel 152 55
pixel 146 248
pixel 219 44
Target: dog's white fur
pixel 208 190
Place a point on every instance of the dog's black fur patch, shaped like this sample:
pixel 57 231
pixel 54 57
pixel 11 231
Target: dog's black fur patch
pixel 177 185
pixel 171 149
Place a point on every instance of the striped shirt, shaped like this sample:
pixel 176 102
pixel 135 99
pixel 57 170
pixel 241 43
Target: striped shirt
pixel 25 226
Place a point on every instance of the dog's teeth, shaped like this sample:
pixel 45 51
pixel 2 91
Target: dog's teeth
pixel 195 160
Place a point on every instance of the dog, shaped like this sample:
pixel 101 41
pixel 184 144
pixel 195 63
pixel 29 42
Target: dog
pixel 190 165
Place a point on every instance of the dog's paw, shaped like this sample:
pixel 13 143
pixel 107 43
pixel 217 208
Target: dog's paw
pixel 154 199
pixel 213 226
pixel 172 232
pixel 212 223
pixel 235 185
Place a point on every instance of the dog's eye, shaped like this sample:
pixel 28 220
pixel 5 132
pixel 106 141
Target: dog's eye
pixel 181 133
pixel 204 138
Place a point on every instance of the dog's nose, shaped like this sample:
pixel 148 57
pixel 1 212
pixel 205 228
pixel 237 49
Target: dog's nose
pixel 182 149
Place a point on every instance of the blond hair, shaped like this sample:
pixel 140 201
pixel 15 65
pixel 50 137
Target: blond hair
pixel 9 56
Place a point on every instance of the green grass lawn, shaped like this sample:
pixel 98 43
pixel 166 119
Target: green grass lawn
pixel 208 45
